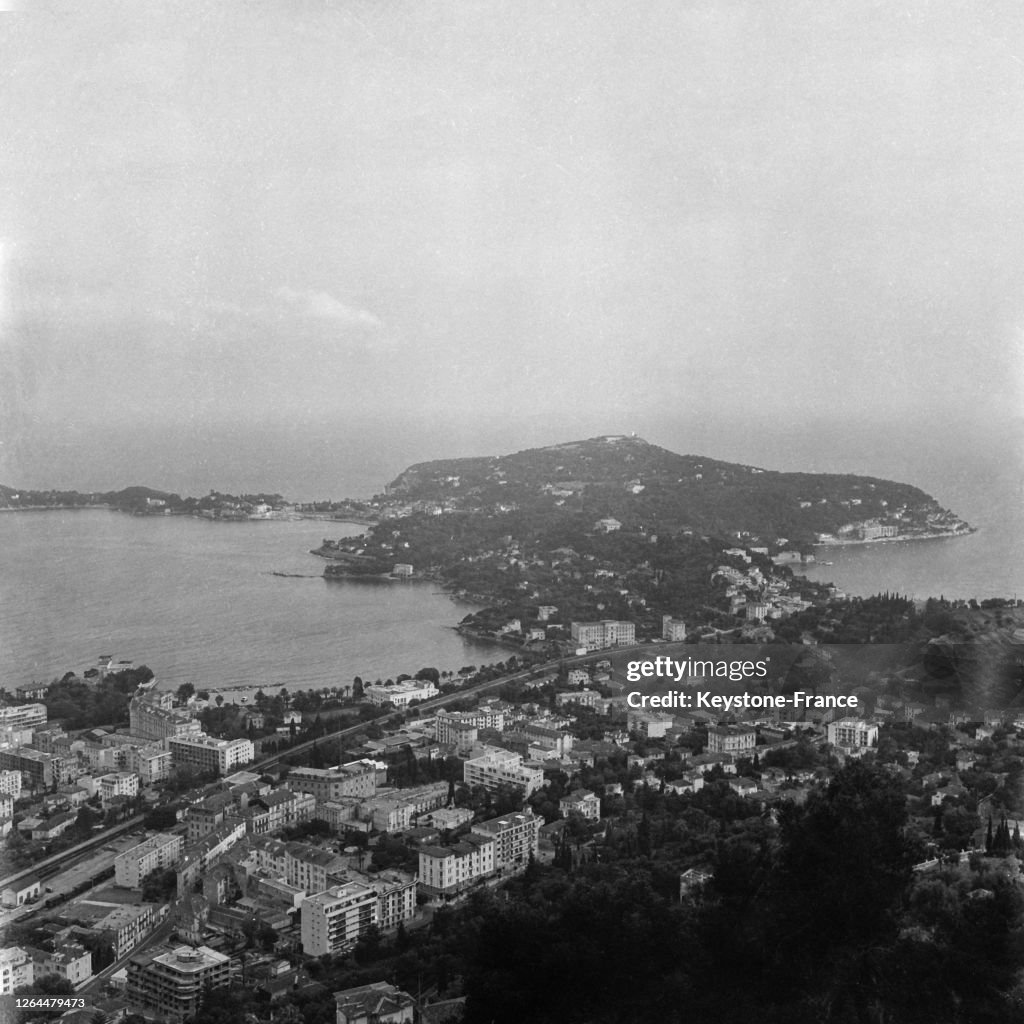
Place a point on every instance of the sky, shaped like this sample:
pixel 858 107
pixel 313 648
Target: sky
pixel 296 246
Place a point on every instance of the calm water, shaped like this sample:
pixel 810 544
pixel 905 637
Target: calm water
pixel 196 601
pixel 989 563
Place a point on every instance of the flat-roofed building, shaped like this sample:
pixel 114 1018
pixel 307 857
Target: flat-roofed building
pixel 125 925
pixel 401 694
pixel 333 920
pixel 22 716
pixel 495 767
pixel 607 633
pixel 117 784
pixel 157 853
pixel 515 837
pixel 211 754
pixel 853 734
pixel 170 982
pixel 152 763
pixel 38 770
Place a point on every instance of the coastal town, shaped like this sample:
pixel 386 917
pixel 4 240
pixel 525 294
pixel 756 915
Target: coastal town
pixel 320 857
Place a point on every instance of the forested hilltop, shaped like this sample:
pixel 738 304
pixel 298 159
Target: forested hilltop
pixel 616 528
pixel 644 486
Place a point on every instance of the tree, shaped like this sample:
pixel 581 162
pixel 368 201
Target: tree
pixel 184 692
pixel 357 688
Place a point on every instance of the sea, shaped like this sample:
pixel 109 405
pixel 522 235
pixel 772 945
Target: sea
pixel 200 601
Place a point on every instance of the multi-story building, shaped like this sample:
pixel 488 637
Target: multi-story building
pixel 124 925
pixel 672 629
pixel 16 970
pixel 157 853
pixel 38 770
pixel 311 868
pixel 379 1003
pixel 594 636
pixel 445 870
pixel 68 960
pixel 515 837
pixel 199 856
pixel 278 809
pixel 333 920
pixel 152 763
pixel 117 784
pixel 10 783
pixel 731 739
pixel 171 982
pixel 447 818
pixel 586 698
pixel 582 801
pixel 448 723
pixel 396 896
pixel 210 754
pixel 151 717
pixel 853 734
pixel 401 694
pixel 495 767
pixel 652 725
pixel 208 815
pixel 395 811
pixel 358 778
pixel 22 716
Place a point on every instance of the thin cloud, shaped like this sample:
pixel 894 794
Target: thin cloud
pixel 321 306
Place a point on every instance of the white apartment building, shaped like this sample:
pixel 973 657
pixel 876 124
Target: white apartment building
pixel 672 629
pixel 333 920
pixel 594 636
pixel 853 734
pixel 22 716
pixel 401 694
pixel 157 853
pixel 211 754
pixel 152 763
pixel 117 784
pixel 495 767
pixel 448 724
